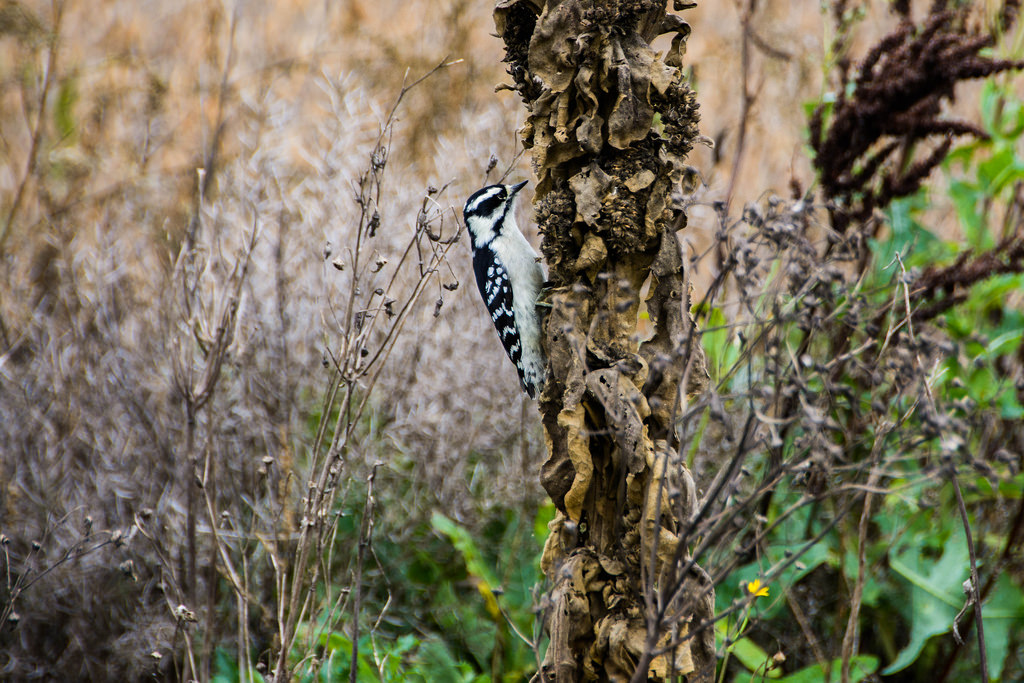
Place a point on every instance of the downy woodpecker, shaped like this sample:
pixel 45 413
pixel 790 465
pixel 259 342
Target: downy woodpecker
pixel 509 277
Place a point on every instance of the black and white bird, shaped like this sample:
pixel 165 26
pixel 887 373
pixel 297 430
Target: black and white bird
pixel 509 277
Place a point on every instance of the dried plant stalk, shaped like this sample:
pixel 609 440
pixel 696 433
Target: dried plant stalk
pixel 610 124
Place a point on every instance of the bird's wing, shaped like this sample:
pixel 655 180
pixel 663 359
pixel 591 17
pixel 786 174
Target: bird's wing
pixel 496 291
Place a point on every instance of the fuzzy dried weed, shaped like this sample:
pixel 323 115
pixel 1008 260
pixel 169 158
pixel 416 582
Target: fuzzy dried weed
pixel 185 403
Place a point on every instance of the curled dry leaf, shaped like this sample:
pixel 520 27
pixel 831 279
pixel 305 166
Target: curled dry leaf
pixel 610 123
pixel 594 84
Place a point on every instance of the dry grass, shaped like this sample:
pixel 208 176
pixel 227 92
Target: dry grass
pixel 120 262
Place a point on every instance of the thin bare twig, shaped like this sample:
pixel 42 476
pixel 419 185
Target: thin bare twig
pixel 37 133
pixel 975 597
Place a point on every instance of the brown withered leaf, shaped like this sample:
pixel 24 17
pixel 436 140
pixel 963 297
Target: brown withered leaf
pixel 555 545
pixel 569 614
pixel 578 447
pixel 634 68
pixel 614 322
pixel 621 640
pixel 640 180
pixel 658 515
pixel 657 204
pixel 675 24
pixel 558 472
pixel 668 309
pixel 624 408
pixel 553 48
pixel 503 7
pixel 675 662
pixel 591 186
pixel 593 254
pixel 596 83
pixel 565 322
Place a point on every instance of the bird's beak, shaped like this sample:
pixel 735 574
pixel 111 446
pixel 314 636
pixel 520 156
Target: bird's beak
pixel 516 188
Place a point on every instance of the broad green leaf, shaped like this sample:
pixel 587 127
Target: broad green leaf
pixel 715 338
pixel 749 654
pixel 936 593
pixel 545 514
pixel 1004 344
pixel 464 543
pixel 999 170
pixel 1003 611
pixel 967 198
pixel 861 666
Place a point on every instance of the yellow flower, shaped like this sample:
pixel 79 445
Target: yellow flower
pixel 756 589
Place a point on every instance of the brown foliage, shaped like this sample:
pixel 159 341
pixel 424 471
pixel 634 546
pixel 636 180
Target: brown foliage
pixel 865 148
pixel 610 124
pixel 942 287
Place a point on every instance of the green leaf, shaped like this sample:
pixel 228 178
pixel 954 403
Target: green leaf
pixel 732 588
pixel 1012 488
pixel 936 593
pixel 479 636
pixel 861 666
pixel 999 170
pixel 63 114
pixel 1004 344
pixel 749 653
pixel 464 543
pixel 912 240
pixel 967 198
pixel 719 345
pixel 963 154
pixel 545 514
pixel 1002 612
pixel 990 96
pixel 1002 115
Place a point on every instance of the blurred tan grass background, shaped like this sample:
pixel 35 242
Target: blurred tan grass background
pixel 108 111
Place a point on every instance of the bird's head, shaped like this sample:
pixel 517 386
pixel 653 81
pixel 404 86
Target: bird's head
pixel 488 212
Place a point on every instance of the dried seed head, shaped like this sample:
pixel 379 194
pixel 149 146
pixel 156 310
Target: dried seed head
pixel 128 569
pixel 184 614
pixel 379 158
